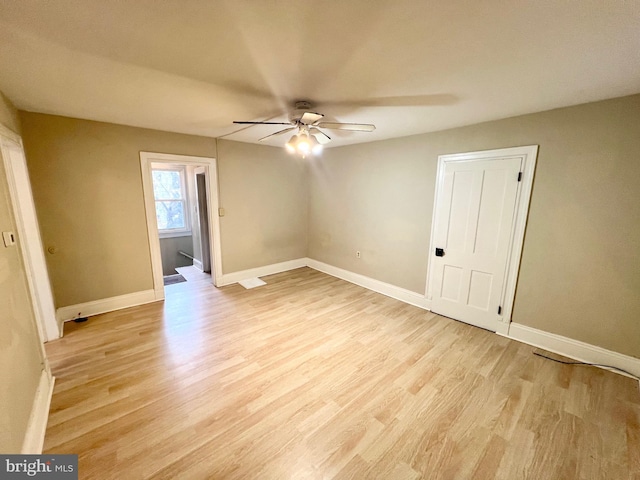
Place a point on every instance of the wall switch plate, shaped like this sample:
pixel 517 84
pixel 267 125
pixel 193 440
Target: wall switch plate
pixel 221 212
pixel 9 239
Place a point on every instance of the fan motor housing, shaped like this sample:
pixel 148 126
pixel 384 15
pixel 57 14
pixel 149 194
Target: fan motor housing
pixel 300 108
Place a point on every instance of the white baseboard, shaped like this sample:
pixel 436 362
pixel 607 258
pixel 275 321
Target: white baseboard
pixel 387 289
pixel 583 352
pixel 105 305
pixel 197 264
pixel 235 277
pixel 37 426
pixel 567 347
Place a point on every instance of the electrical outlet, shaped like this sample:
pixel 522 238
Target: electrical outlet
pixel 358 255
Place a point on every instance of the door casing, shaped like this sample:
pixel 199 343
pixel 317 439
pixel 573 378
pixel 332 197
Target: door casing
pixel 29 238
pixel 146 159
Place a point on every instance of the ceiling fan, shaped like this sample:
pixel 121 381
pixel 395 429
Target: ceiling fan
pixel 309 139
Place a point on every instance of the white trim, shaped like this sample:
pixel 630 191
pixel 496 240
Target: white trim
pixel 565 346
pixel 152 227
pixel 146 158
pixel 523 198
pixel 198 264
pixel 105 305
pixel 29 238
pixel 235 277
pixel 568 347
pixel 37 426
pixel 170 234
pixel 10 134
pixel 399 293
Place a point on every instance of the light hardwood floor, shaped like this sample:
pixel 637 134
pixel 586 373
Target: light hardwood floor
pixel 312 377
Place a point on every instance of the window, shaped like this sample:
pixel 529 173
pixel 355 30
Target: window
pixel 172 211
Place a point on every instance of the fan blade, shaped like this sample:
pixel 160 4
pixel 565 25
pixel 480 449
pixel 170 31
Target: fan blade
pixel 397 101
pixel 322 137
pixel 277 133
pixel 354 127
pixel 309 117
pixel 263 123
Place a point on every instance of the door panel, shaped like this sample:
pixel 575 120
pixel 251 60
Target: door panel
pixel 490 213
pixel 479 290
pixel 473 224
pixel 451 283
pixel 461 205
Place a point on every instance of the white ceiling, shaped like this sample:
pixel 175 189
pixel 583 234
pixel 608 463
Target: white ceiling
pixel 194 66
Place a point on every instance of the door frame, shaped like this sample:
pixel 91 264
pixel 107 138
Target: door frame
pixel 32 251
pixel 146 159
pixel 529 155
pixel 196 195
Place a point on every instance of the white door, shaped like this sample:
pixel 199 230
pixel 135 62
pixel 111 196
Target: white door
pixel 29 239
pixel 475 217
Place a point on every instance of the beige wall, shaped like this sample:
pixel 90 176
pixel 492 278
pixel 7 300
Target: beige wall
pixel 265 218
pixel 88 192
pixel 21 360
pixel 87 186
pixel 580 270
pixel 375 198
pixel 579 275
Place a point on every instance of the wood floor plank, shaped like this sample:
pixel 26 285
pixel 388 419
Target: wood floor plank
pixel 313 377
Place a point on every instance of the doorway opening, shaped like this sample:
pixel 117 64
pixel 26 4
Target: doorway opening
pixel 181 197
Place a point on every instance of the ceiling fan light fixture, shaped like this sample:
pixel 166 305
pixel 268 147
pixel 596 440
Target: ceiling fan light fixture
pixel 316 146
pixel 304 144
pixel 310 139
pixel 291 144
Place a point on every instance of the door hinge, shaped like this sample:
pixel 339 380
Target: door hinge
pixel 499 310
pixel 519 176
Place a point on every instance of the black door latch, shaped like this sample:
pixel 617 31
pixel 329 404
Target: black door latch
pixel 439 252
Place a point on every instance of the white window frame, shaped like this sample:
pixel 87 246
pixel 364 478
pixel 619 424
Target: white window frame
pixel 175 232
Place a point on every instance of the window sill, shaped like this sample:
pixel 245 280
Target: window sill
pixel 174 234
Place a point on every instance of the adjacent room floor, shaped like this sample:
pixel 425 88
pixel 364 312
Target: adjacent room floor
pixel 313 377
